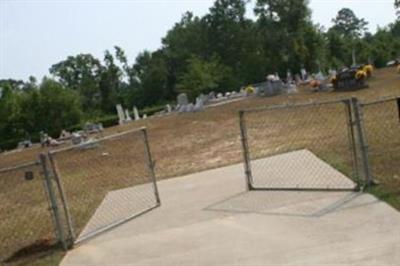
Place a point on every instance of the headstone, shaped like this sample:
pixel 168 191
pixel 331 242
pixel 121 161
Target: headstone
pixel 332 73
pixel 289 77
pixel 121 115
pixel 64 135
pixel 297 79
pixel 44 139
pixel 89 128
pixel 199 106
pixel 128 117
pixel 190 108
pixel 182 99
pixel 211 95
pixel 206 98
pixel 227 94
pixel 303 73
pixel 76 138
pixel 220 95
pixel 169 108
pixel 320 76
pixel 182 108
pixel 271 77
pixel 144 116
pixel 136 113
pixel 24 144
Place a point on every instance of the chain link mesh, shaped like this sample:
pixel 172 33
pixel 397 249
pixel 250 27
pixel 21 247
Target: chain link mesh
pixel 301 147
pixel 382 130
pixel 105 181
pixel 26 225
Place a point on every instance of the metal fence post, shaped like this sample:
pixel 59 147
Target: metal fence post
pixel 246 156
pixel 352 139
pixel 151 165
pixel 53 201
pixel 63 197
pixel 362 140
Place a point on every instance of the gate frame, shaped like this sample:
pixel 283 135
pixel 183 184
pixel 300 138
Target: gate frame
pixel 73 238
pixel 356 141
pixel 370 180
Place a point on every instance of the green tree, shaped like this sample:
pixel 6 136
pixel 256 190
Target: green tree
pixel 284 24
pixel 81 73
pixel 203 77
pixel 59 107
pixel 152 76
pixel 351 29
pixel 10 115
pixel 110 81
pixel 348 24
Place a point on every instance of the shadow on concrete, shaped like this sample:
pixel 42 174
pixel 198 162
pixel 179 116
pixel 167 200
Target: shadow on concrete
pixel 290 203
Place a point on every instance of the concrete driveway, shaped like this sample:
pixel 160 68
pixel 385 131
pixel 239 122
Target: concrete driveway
pixel 208 218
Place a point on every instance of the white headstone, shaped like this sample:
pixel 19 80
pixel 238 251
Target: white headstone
pixel 169 108
pixel 136 113
pixel 289 77
pixel 199 106
pixel 144 116
pixel 121 115
pixel 303 72
pixel 128 117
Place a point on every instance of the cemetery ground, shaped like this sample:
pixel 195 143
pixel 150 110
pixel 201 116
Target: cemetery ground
pixel 193 142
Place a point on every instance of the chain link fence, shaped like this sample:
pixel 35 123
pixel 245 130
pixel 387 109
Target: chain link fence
pixel 105 182
pixel 305 146
pixel 102 183
pixel 381 122
pixel 26 223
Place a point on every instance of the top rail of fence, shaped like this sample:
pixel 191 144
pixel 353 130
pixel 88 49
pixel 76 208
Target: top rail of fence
pixel 19 166
pixel 98 140
pixel 295 105
pixel 382 100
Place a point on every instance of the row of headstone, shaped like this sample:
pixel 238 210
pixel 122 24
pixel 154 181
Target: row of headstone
pixel 184 106
pixel 270 88
pixel 124 116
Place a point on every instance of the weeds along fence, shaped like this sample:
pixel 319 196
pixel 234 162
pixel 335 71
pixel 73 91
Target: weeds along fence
pixel 381 122
pixel 27 222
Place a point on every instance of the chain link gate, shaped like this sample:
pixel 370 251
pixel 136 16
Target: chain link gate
pixel 30 223
pixel 381 121
pixel 104 183
pixel 311 146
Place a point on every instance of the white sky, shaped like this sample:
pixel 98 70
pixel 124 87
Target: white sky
pixel 34 34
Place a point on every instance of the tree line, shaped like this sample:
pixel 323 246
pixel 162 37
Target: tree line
pixel 220 51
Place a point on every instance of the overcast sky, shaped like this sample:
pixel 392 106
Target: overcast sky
pixel 34 34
